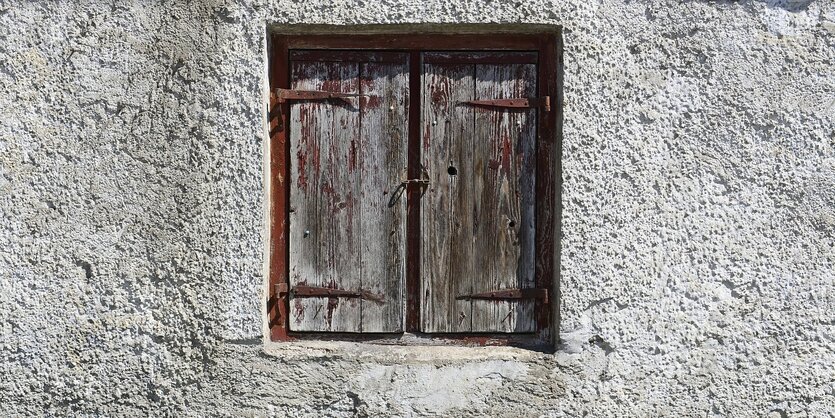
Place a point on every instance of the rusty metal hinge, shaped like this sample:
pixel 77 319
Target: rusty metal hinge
pixel 543 102
pixel 283 95
pixel 281 296
pixel 507 294
pixel 281 289
pixel 327 292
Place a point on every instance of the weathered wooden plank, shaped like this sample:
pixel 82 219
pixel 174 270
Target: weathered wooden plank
pixel 548 183
pixel 495 57
pixel 446 258
pixel 325 244
pixel 446 41
pixel 503 215
pixel 279 145
pixel 347 55
pixel 383 143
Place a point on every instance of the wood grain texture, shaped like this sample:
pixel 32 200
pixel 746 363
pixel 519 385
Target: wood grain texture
pixel 419 42
pixel 478 224
pixel 549 183
pixel 383 136
pixel 325 243
pixel 284 49
pixel 504 181
pixel 348 56
pixel 347 157
pixel 279 145
pixel 446 240
pixel 476 57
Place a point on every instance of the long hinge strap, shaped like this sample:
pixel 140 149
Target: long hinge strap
pixel 508 294
pixel 543 102
pixel 326 292
pixel 283 95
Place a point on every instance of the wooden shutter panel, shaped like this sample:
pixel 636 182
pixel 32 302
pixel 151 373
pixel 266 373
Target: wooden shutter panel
pixel 347 158
pixel 478 212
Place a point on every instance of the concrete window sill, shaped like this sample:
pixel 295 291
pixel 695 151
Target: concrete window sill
pixel 370 352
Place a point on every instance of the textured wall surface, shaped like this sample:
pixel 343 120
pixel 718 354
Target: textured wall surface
pixel 698 270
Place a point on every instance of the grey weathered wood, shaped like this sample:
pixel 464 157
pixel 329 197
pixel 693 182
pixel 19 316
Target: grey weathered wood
pixel 504 163
pixel 346 159
pixel 477 57
pixel 477 225
pixel 324 220
pixel 446 241
pixel 383 135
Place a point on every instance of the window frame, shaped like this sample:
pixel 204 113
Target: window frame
pixel 548 44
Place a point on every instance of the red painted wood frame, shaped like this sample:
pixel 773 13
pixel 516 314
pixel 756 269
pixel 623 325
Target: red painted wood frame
pixel 548 45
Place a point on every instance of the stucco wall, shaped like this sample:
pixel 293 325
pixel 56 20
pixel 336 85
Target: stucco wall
pixel 698 270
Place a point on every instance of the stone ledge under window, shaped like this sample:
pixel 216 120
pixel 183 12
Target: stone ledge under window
pixel 347 350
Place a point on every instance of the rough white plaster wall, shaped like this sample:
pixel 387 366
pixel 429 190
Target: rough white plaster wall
pixel 698 274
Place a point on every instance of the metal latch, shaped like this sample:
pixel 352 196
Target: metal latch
pixel 398 191
pixel 543 102
pixel 302 291
pixel 508 294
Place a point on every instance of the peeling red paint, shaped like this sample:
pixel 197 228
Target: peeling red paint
pixel 439 95
pixel 373 102
pixel 507 149
pixel 298 310
pixel 349 203
pixel 327 188
pixel 352 156
pixel 333 84
pixel 302 162
pixel 333 303
pixel 316 160
pixel 426 136
pixel 304 145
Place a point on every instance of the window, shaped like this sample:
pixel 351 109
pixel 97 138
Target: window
pixel 413 187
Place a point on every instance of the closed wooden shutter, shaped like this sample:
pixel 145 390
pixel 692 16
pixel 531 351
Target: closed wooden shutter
pixel 478 212
pixel 347 158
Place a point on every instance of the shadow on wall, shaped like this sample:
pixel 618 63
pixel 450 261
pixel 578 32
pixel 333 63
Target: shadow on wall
pixel 793 6
pixel 790 5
